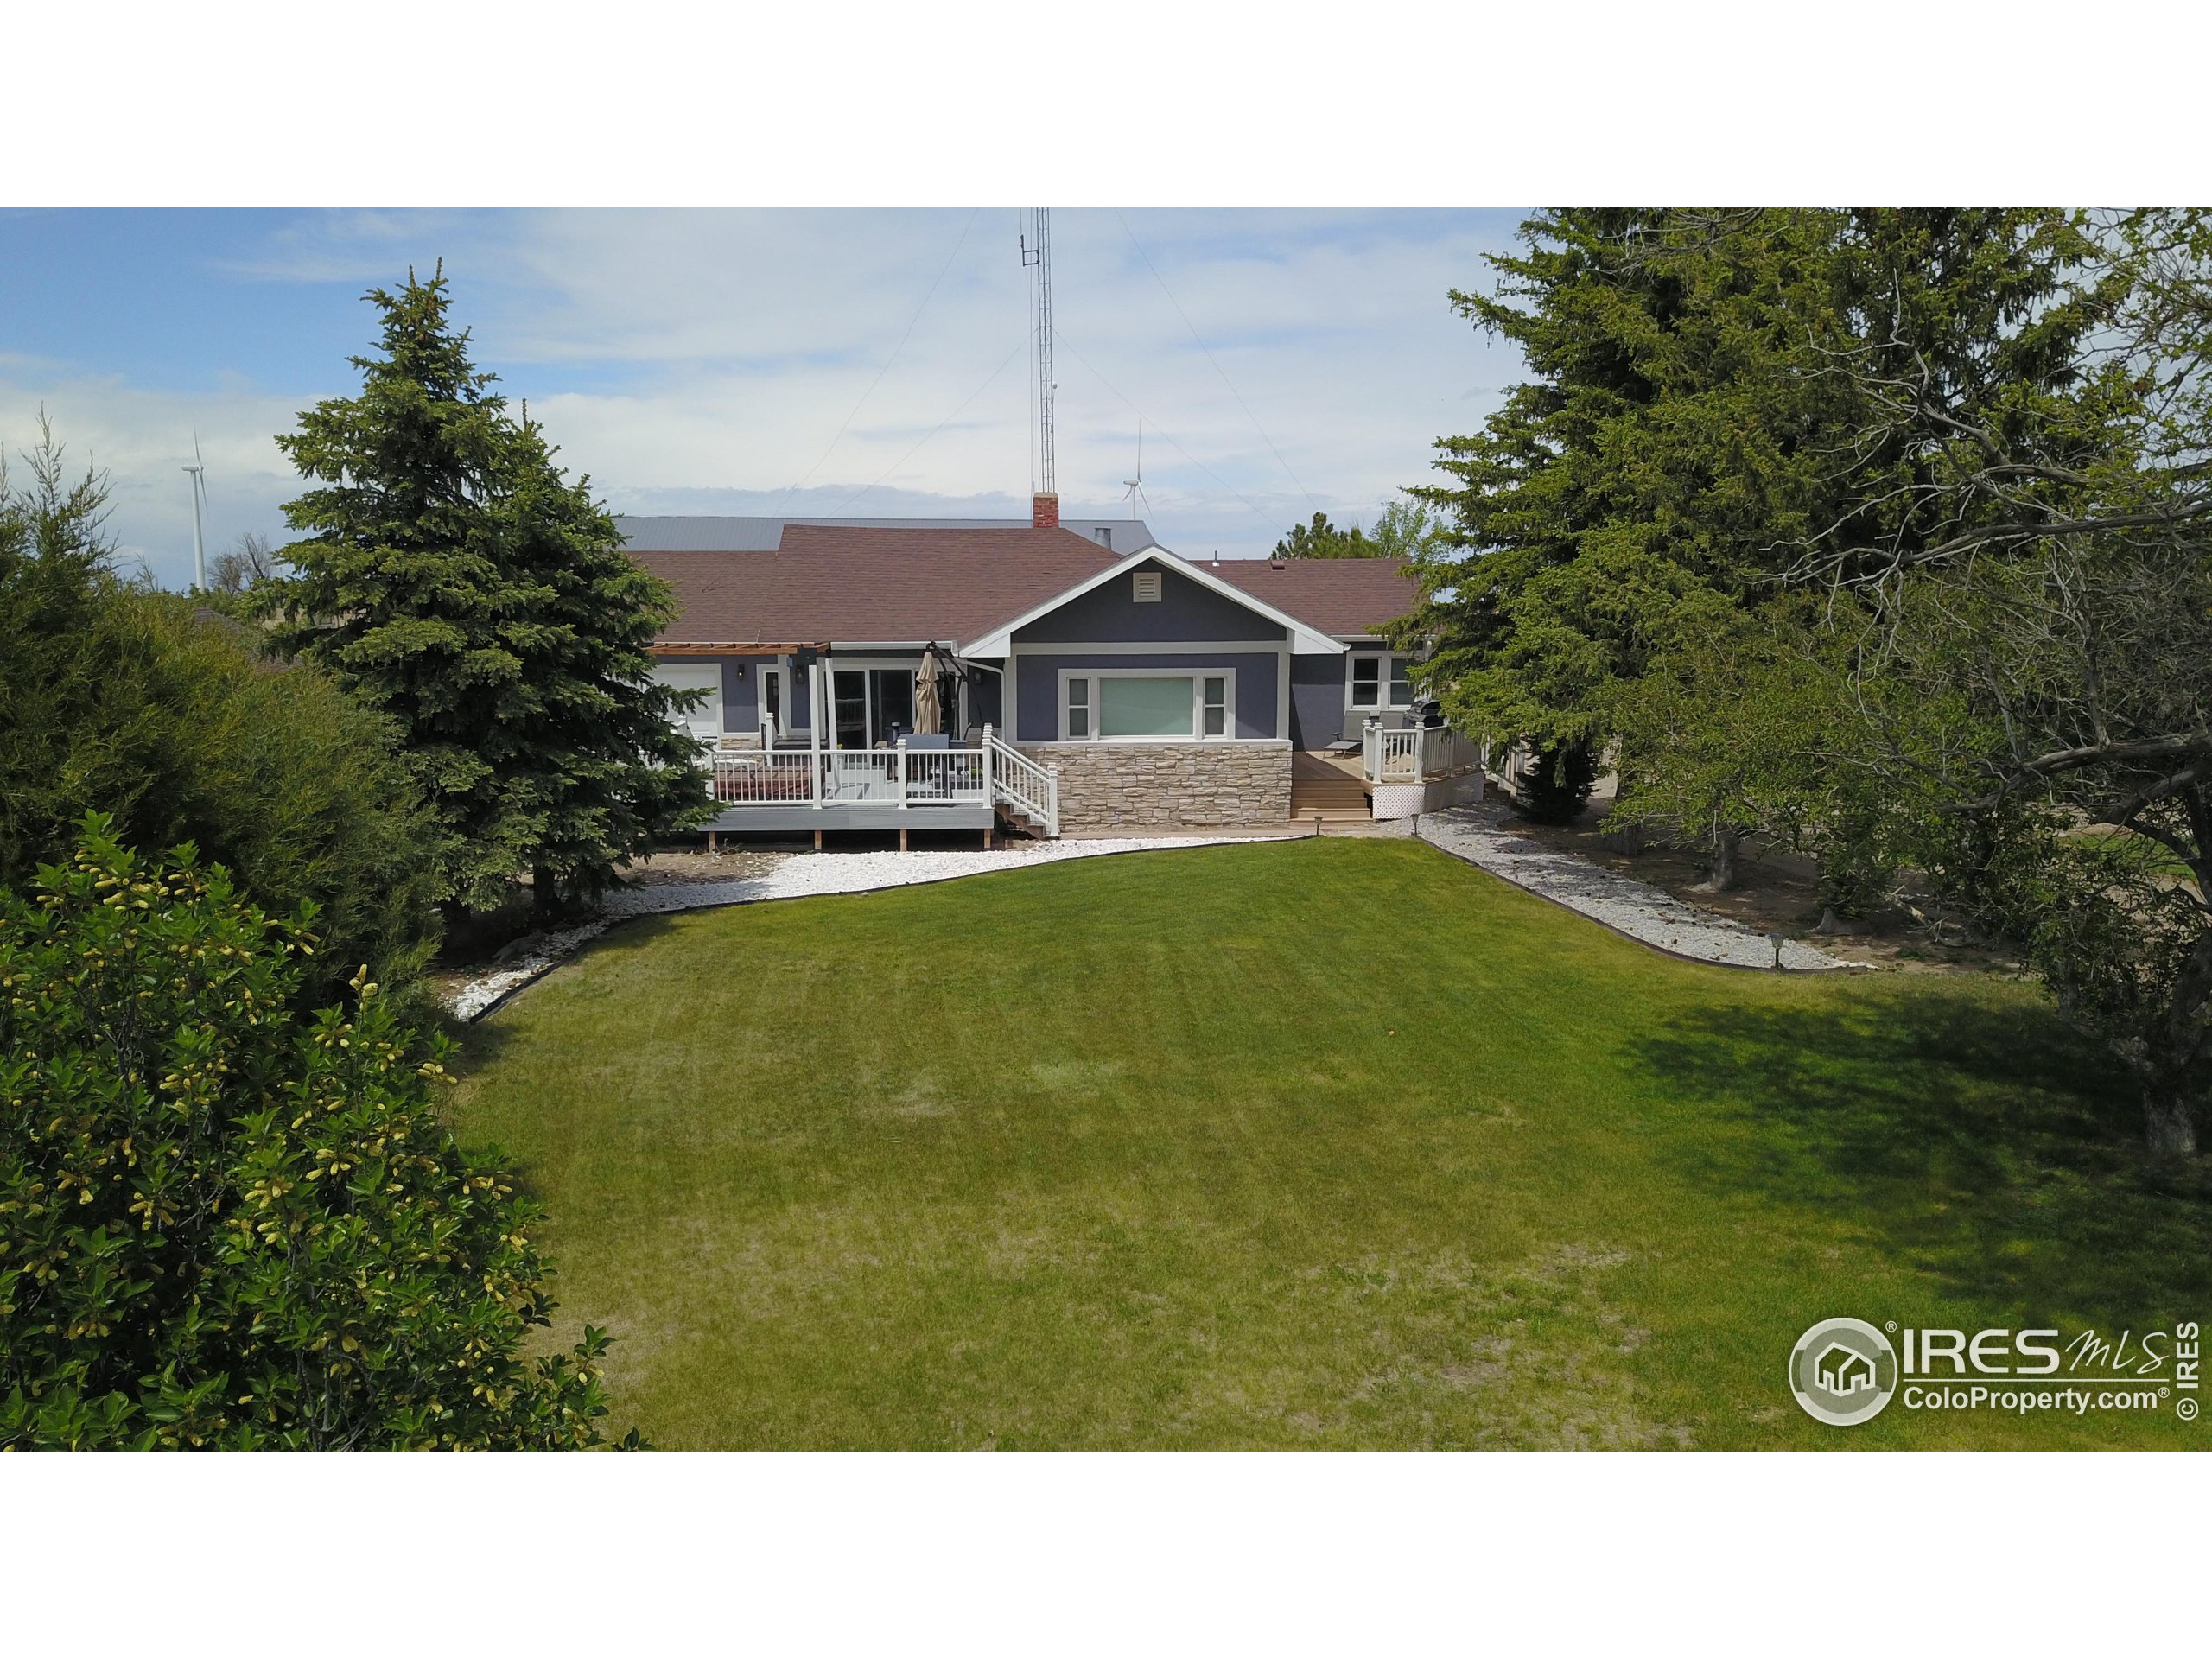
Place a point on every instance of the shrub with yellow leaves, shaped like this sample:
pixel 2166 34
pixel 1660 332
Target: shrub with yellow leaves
pixel 225 1224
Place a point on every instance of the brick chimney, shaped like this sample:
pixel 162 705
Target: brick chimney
pixel 1045 514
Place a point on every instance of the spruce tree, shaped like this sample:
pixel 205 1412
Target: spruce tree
pixel 455 579
pixel 1323 540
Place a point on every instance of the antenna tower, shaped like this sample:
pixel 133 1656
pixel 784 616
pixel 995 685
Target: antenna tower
pixel 1040 258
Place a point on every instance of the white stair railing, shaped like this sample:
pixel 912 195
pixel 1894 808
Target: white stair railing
pixel 1022 784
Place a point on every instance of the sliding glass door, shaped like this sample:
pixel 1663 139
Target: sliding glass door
pixel 891 703
pixel 874 705
pixel 851 699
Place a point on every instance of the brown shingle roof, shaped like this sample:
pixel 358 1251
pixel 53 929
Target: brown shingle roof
pixel 827 583
pixel 1337 596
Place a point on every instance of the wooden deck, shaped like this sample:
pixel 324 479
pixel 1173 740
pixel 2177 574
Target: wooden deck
pixel 1327 786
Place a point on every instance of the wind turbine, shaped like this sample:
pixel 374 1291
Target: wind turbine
pixel 199 471
pixel 1134 492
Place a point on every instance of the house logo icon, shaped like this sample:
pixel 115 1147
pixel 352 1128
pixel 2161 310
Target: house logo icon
pixel 1843 1371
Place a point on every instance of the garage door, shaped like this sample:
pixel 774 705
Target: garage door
pixel 704 722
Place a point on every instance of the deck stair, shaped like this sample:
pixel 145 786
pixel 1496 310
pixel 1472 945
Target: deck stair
pixel 1026 794
pixel 1321 788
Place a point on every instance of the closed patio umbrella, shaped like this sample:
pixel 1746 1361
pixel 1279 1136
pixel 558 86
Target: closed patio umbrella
pixel 928 706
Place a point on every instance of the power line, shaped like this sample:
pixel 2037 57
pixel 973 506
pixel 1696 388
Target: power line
pixel 939 426
pixel 887 362
pixel 1165 434
pixel 1217 369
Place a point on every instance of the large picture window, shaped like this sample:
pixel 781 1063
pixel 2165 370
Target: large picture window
pixel 1145 708
pixel 1143 705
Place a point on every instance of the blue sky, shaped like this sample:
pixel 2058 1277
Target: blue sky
pixel 810 361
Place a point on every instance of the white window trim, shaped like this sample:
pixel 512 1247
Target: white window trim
pixel 1198 678
pixel 1389 660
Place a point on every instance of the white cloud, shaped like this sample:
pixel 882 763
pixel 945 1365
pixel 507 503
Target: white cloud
pixel 143 439
pixel 705 356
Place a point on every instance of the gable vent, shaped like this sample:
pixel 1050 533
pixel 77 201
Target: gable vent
pixel 1147 583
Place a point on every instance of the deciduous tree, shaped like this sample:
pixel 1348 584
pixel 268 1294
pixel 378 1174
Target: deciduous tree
pixel 2030 523
pixel 223 1224
pixel 144 706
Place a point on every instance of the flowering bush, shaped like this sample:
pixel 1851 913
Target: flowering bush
pixel 224 1225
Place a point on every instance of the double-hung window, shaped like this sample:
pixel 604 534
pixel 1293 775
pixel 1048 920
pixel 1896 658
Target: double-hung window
pixel 1367 682
pixel 1378 680
pixel 1213 704
pixel 1145 705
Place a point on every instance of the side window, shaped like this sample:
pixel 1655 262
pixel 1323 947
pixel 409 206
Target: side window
pixel 1402 684
pixel 1079 707
pixel 1216 706
pixel 1366 682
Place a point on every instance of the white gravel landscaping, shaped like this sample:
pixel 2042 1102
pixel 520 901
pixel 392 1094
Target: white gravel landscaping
pixel 1474 833
pixel 1644 912
pixel 800 876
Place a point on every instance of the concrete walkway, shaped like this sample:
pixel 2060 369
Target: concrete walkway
pixel 1645 913
pixel 803 875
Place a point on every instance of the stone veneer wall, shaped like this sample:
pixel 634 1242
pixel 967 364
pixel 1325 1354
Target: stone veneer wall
pixel 1103 785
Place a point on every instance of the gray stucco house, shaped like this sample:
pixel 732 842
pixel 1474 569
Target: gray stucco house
pixel 1084 685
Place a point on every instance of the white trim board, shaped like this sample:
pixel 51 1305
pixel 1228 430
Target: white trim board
pixel 1152 648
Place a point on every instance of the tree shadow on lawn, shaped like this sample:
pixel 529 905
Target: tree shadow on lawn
pixel 1985 1143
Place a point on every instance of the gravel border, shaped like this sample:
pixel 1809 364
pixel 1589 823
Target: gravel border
pixel 1649 915
pixel 1634 909
pixel 799 876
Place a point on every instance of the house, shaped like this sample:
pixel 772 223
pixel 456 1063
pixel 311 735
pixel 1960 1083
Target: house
pixel 1844 1370
pixel 1083 685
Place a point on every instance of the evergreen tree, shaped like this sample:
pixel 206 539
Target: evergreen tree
pixel 1323 540
pixel 1658 456
pixel 1554 783
pixel 454 579
pixel 1707 401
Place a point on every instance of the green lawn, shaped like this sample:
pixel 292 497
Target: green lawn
pixel 1200 1148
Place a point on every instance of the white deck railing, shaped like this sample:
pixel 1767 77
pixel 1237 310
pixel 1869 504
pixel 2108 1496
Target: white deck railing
pixel 895 777
pixel 990 774
pixel 762 777
pixel 1415 755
